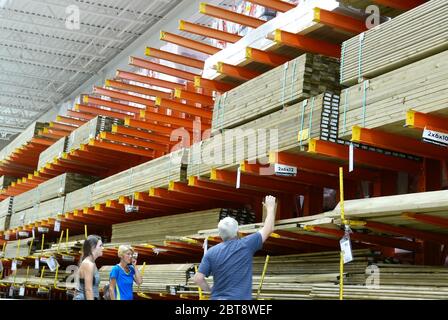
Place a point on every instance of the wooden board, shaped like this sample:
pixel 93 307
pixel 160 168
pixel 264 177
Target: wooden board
pixel 155 230
pixel 52 152
pixel 22 139
pixel 287 129
pixel 53 188
pixel 90 130
pixel 412 36
pixel 420 86
pixel 155 173
pixel 299 79
pixel 44 210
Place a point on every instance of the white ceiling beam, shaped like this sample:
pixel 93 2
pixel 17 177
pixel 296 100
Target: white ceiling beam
pixel 22 87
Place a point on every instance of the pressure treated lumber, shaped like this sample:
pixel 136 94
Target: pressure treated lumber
pixel 16 248
pixel 414 35
pixel 296 80
pixel 382 102
pixel 53 188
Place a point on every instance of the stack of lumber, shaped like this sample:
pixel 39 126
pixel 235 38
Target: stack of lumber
pixel 382 102
pixel 52 152
pixel 90 130
pixel 293 276
pixel 283 130
pixel 5 181
pixel 44 210
pixel 156 278
pixel 20 277
pixel 17 248
pixel 414 35
pixel 155 173
pixel 22 139
pixel 297 80
pixel 72 247
pixel 5 213
pixel 50 189
pixel 363 4
pixel 155 230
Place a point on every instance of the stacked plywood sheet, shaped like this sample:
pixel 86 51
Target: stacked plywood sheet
pixel 22 139
pixel 43 210
pixel 414 35
pixel 52 152
pixel 155 230
pixel 286 129
pixel 6 181
pixel 90 130
pixel 53 188
pixel 155 173
pixel 299 79
pixel 156 278
pixel 382 102
pixel 5 213
pixel 364 4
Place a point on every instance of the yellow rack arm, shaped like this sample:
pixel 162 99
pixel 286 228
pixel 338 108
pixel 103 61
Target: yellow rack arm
pixel 18 248
pixel 4 247
pixel 262 276
pixel 27 274
pixel 142 274
pixel 85 231
pixel 41 276
pixel 42 245
pixel 56 277
pixel 60 240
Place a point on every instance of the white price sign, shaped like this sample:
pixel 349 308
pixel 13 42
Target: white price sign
pixel 284 170
pixel 57 226
pixel 14 265
pixel 22 291
pixel 346 249
pixel 440 138
pixel 42 229
pixel 36 264
pixel 52 263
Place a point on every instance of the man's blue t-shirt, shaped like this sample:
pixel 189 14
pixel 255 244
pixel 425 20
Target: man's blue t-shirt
pixel 230 263
pixel 124 282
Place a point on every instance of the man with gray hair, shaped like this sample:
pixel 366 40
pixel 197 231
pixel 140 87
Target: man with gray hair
pixel 230 262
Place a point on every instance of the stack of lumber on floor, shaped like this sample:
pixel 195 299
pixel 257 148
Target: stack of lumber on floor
pixel 297 80
pixel 90 130
pixel 5 181
pixel 44 210
pixel 14 249
pixel 5 213
pixel 283 130
pixel 155 173
pixel 52 152
pixel 22 139
pixel 382 102
pixel 156 278
pixel 155 230
pixel 53 188
pixel 20 277
pixel 414 35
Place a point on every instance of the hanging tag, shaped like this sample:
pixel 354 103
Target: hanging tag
pixel 238 177
pixel 7 236
pixel 68 258
pixel 36 264
pixel 42 229
pixel 33 233
pixel 11 291
pixel 57 226
pixel 23 234
pixel 128 208
pixel 350 157
pixel 1 266
pixel 205 245
pixel 52 263
pixel 346 248
pixel 22 291
pixel 14 265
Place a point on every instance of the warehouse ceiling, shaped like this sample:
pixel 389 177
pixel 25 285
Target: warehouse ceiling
pixel 46 52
